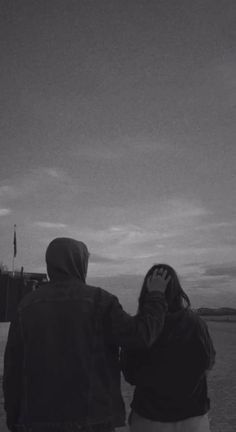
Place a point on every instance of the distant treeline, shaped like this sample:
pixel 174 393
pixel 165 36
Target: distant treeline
pixel 223 311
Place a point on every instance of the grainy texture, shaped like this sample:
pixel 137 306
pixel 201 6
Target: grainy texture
pixel 222 380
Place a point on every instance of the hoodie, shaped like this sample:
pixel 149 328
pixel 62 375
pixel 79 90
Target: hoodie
pixel 170 377
pixel 67 258
pixel 61 363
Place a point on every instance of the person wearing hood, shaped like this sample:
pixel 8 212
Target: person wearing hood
pixel 61 363
pixel 170 378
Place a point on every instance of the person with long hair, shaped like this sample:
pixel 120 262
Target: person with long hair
pixel 170 378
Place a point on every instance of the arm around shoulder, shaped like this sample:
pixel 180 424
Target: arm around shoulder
pixel 142 330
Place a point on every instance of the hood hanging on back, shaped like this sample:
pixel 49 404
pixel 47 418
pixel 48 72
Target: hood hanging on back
pixel 67 258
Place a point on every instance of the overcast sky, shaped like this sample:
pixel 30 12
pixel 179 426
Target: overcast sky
pixel 118 128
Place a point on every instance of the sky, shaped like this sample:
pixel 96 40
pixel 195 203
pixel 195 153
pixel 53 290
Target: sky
pixel 118 129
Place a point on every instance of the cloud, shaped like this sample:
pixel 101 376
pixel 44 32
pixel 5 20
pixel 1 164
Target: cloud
pixel 216 225
pixel 213 280
pixel 160 233
pixel 119 239
pixel 122 148
pixel 33 181
pixel 4 211
pixel 122 239
pixel 6 190
pixel 127 288
pixel 221 270
pixel 42 193
pixel 147 237
pixel 96 258
pixel 53 172
pixel 56 225
pixel 178 208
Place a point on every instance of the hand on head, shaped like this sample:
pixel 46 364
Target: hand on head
pixel 158 280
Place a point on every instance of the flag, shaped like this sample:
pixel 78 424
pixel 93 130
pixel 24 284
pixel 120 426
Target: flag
pixel 14 242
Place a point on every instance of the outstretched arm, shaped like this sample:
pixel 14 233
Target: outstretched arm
pixel 142 330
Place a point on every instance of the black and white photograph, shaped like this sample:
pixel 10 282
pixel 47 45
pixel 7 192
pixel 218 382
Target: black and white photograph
pixel 117 215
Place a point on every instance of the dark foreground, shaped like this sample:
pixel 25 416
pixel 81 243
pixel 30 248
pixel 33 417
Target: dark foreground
pixel 222 380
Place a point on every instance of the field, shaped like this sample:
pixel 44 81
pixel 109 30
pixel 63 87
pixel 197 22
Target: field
pixel 222 380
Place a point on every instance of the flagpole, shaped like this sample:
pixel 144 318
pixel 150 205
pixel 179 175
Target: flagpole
pixel 14 252
pixel 13 266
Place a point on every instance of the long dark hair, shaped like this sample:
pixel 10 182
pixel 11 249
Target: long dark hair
pixel 175 296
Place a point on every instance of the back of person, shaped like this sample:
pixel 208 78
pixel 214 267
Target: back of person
pixel 170 378
pixel 67 368
pixel 61 363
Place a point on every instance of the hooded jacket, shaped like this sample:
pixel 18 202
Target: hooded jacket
pixel 170 377
pixel 61 365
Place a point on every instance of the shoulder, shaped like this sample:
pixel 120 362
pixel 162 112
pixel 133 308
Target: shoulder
pixel 182 318
pixel 99 291
pixel 189 324
pixel 73 290
pixel 107 298
pixel 192 317
pixel 103 296
pixel 33 296
pixel 199 325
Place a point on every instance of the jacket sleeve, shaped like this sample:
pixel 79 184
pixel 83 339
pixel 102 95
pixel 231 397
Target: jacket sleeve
pixel 141 330
pixel 12 374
